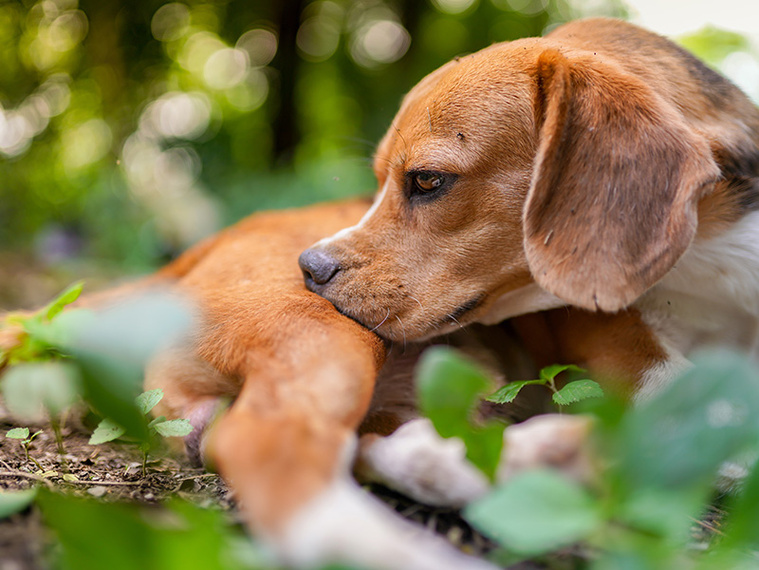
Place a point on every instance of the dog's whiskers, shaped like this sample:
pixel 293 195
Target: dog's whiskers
pixel 383 321
pixel 417 300
pixel 403 329
pixel 455 321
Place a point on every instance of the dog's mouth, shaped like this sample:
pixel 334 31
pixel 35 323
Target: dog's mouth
pixel 455 317
pixel 406 326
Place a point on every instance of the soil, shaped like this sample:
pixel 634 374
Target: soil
pixel 109 472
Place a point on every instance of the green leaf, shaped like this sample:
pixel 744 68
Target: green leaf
pixel 549 373
pixel 115 347
pixel 33 388
pixel 62 333
pixel 68 296
pixel 94 535
pixel 15 501
pixel 148 400
pixel 107 430
pixel 449 389
pixel 577 391
pixel 18 433
pixel 536 512
pixel 173 428
pixel 511 390
pixel 699 421
pixel 157 420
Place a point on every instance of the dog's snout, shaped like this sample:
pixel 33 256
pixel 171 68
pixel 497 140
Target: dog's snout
pixel 318 267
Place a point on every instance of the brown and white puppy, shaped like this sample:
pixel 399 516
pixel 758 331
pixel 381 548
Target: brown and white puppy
pixel 571 171
pixel 600 168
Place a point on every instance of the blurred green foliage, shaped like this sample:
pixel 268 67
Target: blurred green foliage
pixel 659 463
pixel 129 130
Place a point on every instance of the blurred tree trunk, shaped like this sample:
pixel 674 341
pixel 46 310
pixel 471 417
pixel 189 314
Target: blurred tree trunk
pixel 286 135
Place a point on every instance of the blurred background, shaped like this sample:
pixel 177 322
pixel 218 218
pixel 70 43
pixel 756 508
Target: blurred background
pixel 131 129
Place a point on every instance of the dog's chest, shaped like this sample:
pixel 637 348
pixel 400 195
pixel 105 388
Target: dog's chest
pixel 711 296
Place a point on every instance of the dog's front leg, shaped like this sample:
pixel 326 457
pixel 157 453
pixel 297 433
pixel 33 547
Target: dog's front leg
pixel 287 444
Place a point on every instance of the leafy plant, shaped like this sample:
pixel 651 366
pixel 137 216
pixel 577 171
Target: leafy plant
pixel 662 457
pixel 37 339
pixel 22 434
pixel 572 392
pixel 450 388
pixel 12 502
pixel 108 430
pixel 95 535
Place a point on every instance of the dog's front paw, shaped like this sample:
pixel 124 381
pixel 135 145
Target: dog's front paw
pixel 345 524
pixel 418 462
pixel 555 441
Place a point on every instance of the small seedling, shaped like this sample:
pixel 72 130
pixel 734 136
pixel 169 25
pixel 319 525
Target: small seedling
pixel 572 392
pixel 22 434
pixel 108 430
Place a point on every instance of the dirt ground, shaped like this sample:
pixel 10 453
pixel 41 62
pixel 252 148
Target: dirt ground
pixel 110 472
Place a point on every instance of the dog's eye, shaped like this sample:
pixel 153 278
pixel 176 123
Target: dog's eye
pixel 428 184
pixel 428 181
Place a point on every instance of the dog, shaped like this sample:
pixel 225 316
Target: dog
pixel 580 185
pixel 601 174
pixel 314 395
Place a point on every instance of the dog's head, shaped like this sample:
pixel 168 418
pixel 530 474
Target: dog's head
pixel 526 166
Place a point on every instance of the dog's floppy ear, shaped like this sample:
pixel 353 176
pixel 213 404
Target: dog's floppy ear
pixel 616 181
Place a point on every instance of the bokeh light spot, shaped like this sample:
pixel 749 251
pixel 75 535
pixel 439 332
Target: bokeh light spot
pixel 170 22
pixel 454 6
pixel 197 49
pixel 318 38
pixel 85 144
pixel 67 30
pixel 380 42
pixel 250 94
pixel 225 68
pixel 177 115
pixel 260 45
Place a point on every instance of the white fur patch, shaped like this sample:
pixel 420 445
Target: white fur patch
pixel 345 232
pixel 416 461
pixel 660 375
pixel 346 524
pixel 528 299
pixel 552 440
pixel 709 299
pixel 711 296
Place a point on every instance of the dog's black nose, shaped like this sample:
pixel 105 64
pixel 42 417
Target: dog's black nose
pixel 318 267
